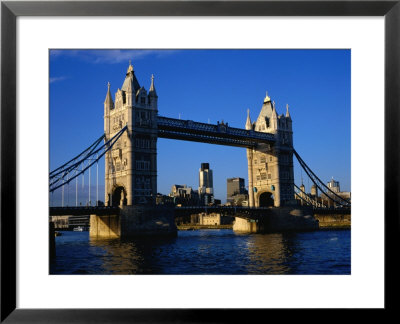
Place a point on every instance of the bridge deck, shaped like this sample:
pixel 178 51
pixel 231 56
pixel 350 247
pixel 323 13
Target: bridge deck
pixel 84 210
pixel 244 212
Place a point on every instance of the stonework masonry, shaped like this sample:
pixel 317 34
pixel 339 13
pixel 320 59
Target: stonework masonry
pixel 134 221
pixel 131 165
pixel 279 220
pixel 270 167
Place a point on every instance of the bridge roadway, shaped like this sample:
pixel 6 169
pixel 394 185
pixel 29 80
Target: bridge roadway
pixel 84 211
pixel 242 212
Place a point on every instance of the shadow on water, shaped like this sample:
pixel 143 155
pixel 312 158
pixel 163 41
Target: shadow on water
pixel 132 256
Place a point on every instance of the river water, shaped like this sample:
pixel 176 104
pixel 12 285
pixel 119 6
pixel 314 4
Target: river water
pixel 207 252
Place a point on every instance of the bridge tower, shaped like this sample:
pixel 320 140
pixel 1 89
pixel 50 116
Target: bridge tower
pixel 131 165
pixel 270 167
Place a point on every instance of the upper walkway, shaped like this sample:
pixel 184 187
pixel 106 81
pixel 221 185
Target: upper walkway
pixel 221 133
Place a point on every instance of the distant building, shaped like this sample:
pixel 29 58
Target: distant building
pixel 314 191
pixel 60 222
pixel 234 186
pixel 325 199
pixel 206 190
pixel 217 201
pixel 335 187
pixel 205 179
pixel 236 192
pixel 164 200
pixel 184 195
pixel 69 222
pixel 211 219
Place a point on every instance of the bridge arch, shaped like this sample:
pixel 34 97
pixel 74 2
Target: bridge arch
pixel 118 196
pixel 265 198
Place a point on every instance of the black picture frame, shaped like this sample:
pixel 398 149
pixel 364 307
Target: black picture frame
pixel 10 10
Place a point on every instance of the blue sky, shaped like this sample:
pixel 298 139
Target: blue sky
pixel 207 86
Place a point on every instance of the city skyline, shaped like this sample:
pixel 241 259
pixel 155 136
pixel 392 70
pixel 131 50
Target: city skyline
pixel 208 86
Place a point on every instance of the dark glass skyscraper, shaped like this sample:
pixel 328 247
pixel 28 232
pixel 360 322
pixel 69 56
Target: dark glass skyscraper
pixel 234 186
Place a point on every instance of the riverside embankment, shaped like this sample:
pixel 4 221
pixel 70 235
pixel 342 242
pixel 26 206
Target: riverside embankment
pixel 325 221
pixel 336 221
pixel 191 227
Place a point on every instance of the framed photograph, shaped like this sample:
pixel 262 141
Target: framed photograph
pixel 295 95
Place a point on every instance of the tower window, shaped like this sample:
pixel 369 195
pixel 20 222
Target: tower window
pixel 142 165
pixel 143 101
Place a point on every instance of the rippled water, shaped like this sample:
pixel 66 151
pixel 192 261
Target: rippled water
pixel 206 252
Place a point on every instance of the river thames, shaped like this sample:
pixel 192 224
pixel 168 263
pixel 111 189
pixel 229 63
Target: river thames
pixel 209 251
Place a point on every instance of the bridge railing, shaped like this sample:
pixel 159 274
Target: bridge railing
pixel 214 129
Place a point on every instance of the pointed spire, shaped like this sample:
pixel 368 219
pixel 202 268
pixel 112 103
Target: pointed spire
pixel 287 111
pixel 130 67
pixel 248 121
pixel 109 101
pixel 267 98
pixel 152 90
pixel 130 84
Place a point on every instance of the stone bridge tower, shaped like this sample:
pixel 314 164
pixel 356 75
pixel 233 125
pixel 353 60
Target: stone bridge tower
pixel 270 167
pixel 131 165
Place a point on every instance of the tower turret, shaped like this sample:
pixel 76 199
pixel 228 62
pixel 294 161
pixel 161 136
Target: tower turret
pixel 108 105
pixel 153 98
pixel 249 126
pixel 108 102
pixel 248 121
pixel 129 94
pixel 130 85
pixel 287 112
pixel 274 118
pixel 264 118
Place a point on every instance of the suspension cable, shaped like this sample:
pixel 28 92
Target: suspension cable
pixel 95 143
pixel 314 178
pixel 97 152
pixel 311 201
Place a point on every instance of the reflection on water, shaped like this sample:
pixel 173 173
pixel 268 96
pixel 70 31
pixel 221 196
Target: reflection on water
pixel 206 252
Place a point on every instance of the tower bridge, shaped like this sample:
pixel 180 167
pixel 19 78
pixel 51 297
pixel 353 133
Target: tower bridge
pixel 132 126
pixel 131 165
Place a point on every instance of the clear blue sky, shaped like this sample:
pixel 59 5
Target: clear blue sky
pixel 207 85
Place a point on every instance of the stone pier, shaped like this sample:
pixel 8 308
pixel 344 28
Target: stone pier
pixel 134 221
pixel 278 220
